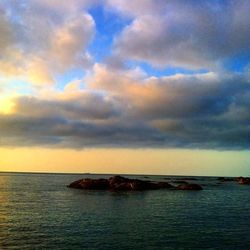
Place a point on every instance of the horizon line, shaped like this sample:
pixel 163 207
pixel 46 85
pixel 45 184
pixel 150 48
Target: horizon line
pixel 94 173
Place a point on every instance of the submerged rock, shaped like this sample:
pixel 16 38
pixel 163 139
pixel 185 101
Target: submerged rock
pixel 117 183
pixel 189 186
pixel 243 180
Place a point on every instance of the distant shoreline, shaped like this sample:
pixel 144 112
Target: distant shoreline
pixel 126 174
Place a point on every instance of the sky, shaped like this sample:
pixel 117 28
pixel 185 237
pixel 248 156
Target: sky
pixel 116 86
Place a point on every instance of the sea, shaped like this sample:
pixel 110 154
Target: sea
pixel 38 211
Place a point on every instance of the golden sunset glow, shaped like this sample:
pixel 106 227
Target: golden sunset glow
pixel 138 161
pixel 7 105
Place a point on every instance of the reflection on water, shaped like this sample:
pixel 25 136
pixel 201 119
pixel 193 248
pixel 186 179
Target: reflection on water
pixel 39 211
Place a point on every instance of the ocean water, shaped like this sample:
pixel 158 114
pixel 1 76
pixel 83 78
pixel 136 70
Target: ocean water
pixel 38 211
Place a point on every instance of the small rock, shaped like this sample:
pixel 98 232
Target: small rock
pixel 189 186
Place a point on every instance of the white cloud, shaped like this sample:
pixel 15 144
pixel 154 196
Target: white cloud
pixel 69 42
pixel 49 39
pixel 138 7
pixel 191 34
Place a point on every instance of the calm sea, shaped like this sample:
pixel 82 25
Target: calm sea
pixel 38 211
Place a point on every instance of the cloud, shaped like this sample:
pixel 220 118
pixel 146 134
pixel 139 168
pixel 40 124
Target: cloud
pixel 58 132
pixel 135 8
pixel 194 34
pixel 70 41
pixel 175 96
pixel 83 106
pixel 49 39
pixel 127 108
pixel 6 34
pixel 117 104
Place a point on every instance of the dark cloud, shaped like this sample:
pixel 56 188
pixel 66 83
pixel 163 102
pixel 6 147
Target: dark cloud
pixel 25 131
pixel 6 34
pixel 193 97
pixel 83 106
pixel 58 132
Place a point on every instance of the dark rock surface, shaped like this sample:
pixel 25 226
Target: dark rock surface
pixel 188 179
pixel 119 183
pixel 163 184
pixel 225 179
pixel 189 186
pixel 88 183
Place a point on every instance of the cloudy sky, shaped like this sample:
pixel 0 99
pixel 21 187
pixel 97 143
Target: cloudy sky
pixel 154 86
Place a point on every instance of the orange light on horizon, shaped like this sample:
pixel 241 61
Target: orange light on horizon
pixel 7 105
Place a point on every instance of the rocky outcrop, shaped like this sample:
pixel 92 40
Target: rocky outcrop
pixel 163 184
pixel 189 179
pixel 100 184
pixel 243 180
pixel 189 186
pixel 225 179
pixel 119 183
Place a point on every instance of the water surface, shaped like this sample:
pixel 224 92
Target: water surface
pixel 38 211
